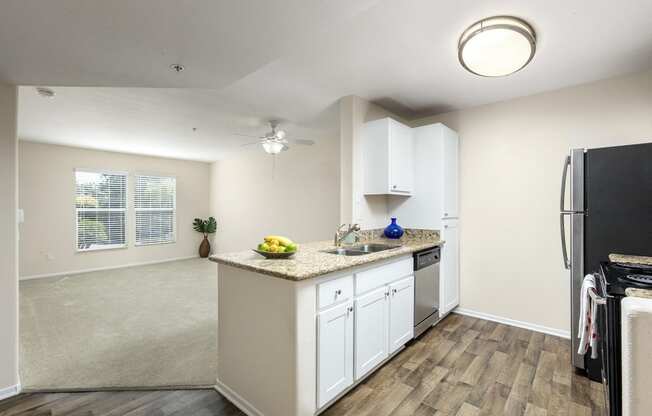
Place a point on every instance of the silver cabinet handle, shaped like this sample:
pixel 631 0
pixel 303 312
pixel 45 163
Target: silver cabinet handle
pixel 445 226
pixel 338 292
pixel 445 214
pixel 394 186
pixel 350 309
pixel 394 291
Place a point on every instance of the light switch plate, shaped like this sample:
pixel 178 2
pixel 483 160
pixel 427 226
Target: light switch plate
pixel 21 216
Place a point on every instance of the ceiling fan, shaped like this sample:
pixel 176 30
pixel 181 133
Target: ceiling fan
pixel 274 141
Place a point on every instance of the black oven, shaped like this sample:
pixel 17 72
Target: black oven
pixel 609 343
pixel 611 285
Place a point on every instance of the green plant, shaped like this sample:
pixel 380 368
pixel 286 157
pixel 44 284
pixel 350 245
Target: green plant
pixel 205 227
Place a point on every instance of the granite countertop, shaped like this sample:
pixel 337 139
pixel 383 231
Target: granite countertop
pixel 310 260
pixel 638 293
pixel 623 258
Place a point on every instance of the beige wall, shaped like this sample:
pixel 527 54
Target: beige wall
pixel 47 187
pixel 511 159
pixel 8 236
pixel 301 201
pixel 368 211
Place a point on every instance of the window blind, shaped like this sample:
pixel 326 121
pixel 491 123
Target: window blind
pixel 101 204
pixel 155 206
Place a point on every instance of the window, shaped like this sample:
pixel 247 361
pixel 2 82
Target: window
pixel 155 203
pixel 101 205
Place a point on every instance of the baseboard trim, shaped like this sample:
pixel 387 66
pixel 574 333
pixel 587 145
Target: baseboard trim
pixel 246 407
pixel 10 391
pixel 98 269
pixel 512 322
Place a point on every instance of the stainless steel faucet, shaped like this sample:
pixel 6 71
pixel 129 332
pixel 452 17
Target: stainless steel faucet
pixel 340 234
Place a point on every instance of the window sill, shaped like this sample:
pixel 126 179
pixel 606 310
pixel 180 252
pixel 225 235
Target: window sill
pixel 154 244
pixel 102 248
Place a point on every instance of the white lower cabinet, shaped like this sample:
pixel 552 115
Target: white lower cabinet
pixel 354 337
pixel 401 313
pixel 370 331
pixel 335 352
pixel 449 278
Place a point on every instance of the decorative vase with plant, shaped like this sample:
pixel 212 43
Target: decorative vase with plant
pixel 205 227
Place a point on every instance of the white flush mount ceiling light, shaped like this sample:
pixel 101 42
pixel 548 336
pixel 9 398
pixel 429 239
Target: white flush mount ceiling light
pixel 497 46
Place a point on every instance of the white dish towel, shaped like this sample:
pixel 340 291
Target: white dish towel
pixel 588 333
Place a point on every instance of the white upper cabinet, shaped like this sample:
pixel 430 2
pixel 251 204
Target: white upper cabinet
pixel 335 352
pixel 401 313
pixel 450 170
pixel 388 158
pixel 449 278
pixel 436 180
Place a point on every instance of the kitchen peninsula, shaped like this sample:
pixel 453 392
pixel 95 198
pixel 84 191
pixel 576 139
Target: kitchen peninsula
pixel 295 335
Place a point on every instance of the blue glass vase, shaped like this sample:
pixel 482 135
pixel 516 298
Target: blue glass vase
pixel 393 230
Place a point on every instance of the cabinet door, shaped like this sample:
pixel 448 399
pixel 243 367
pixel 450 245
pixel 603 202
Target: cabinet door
pixel 335 352
pixel 449 279
pixel 401 158
pixel 401 313
pixel 370 331
pixel 450 175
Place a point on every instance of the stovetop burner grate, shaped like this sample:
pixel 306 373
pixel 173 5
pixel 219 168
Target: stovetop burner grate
pixel 640 278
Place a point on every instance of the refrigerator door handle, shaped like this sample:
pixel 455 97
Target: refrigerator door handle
pixel 564 250
pixel 563 212
pixel 564 175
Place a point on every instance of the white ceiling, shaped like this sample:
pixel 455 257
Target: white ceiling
pixel 179 123
pixel 294 58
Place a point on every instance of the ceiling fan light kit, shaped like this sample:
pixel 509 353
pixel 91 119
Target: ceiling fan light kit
pixel 274 141
pixel 273 147
pixel 497 46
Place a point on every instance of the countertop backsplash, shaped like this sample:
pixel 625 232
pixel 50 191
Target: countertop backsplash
pixel 409 234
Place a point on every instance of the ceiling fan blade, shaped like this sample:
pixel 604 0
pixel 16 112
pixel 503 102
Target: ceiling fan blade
pixel 246 135
pixel 304 142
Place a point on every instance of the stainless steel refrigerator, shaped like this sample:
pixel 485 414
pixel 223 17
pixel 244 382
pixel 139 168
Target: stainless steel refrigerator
pixel 605 207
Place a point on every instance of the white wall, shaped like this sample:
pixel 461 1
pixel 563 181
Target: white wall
pixel 8 243
pixel 301 200
pixel 368 211
pixel 511 159
pixel 47 187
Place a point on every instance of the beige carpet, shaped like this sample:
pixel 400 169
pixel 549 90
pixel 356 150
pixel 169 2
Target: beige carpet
pixel 146 326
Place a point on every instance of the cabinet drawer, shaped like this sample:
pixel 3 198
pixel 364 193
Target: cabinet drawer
pixel 382 275
pixel 334 291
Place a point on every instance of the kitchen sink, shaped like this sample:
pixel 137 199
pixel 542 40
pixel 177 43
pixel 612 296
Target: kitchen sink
pixel 375 247
pixel 361 249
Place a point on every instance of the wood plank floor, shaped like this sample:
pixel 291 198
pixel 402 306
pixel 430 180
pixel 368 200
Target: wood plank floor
pixel 462 367
pixel 467 367
pixel 117 403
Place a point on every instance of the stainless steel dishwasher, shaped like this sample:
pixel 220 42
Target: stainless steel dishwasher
pixel 426 289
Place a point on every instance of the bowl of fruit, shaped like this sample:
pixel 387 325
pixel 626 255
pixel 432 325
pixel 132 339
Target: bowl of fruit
pixel 276 247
